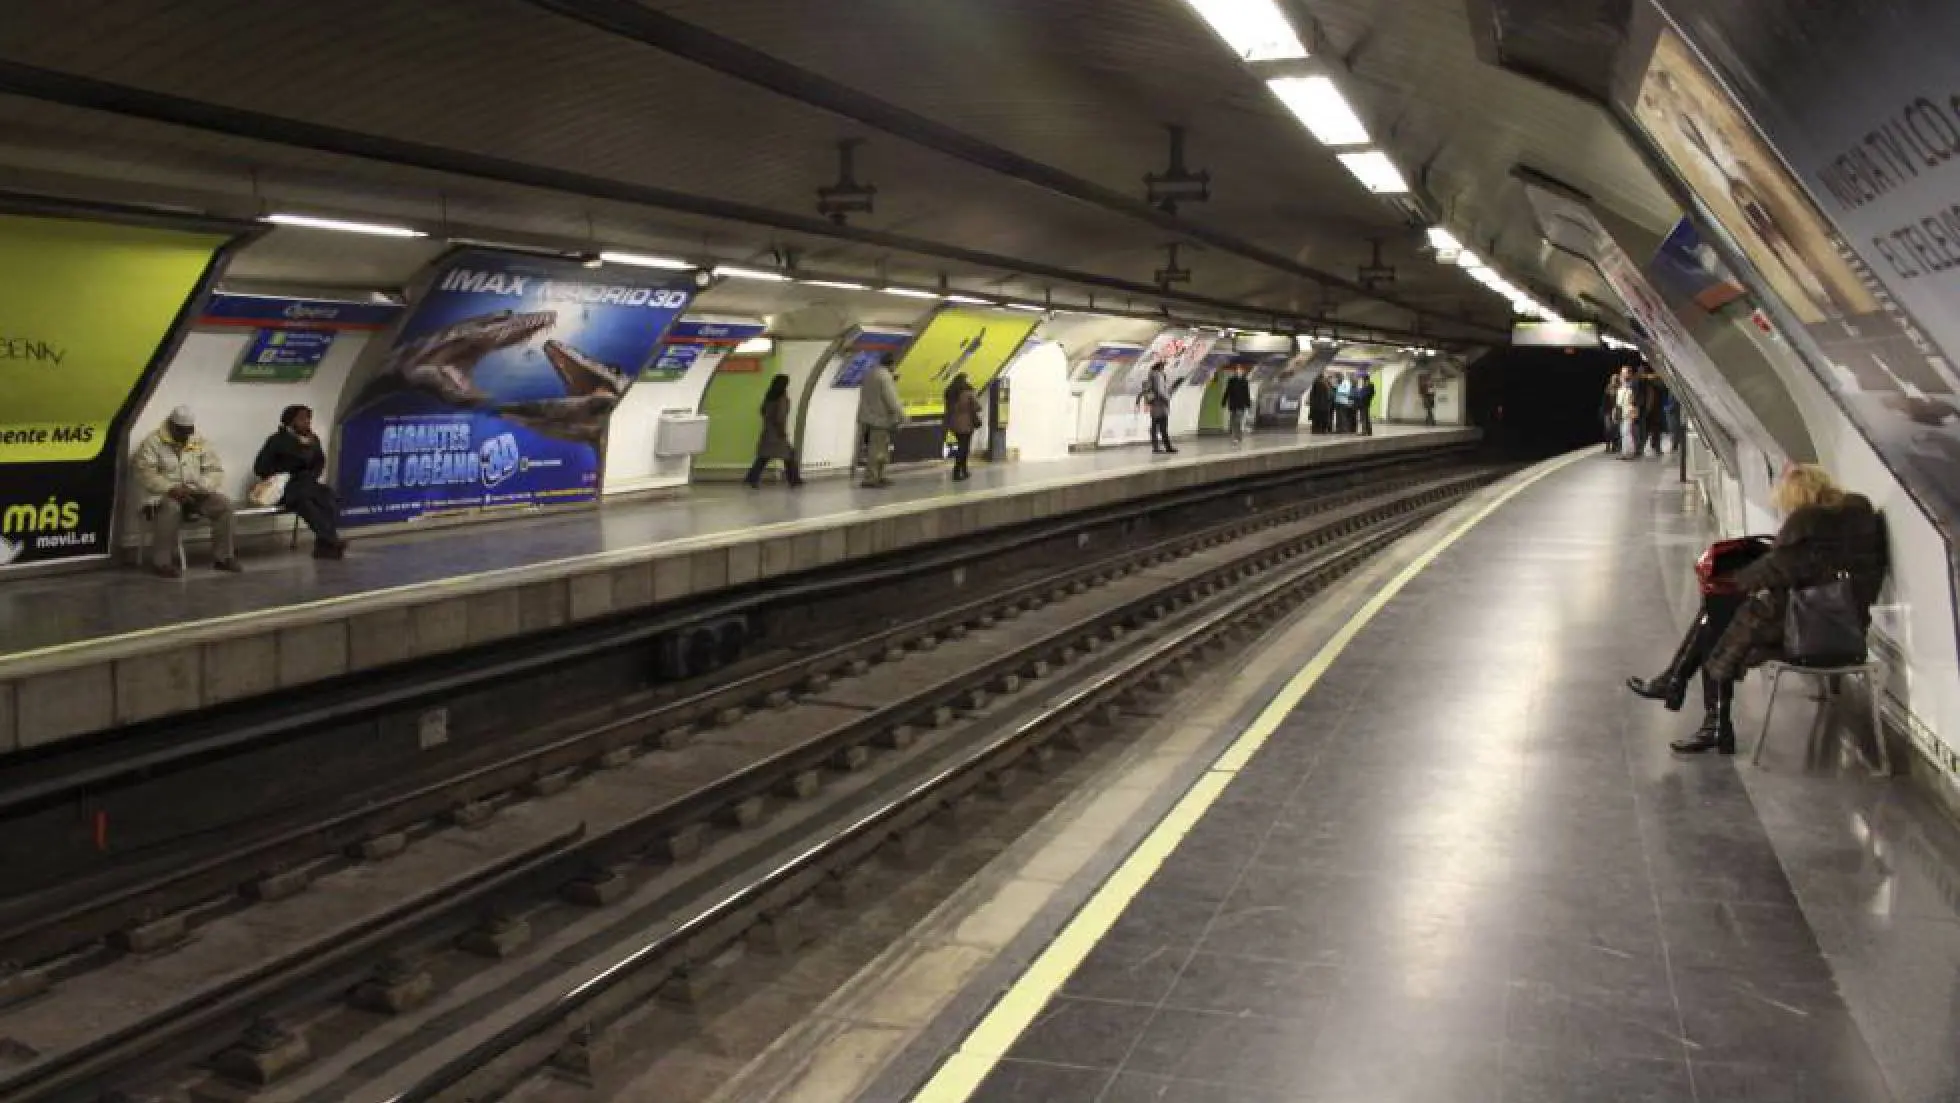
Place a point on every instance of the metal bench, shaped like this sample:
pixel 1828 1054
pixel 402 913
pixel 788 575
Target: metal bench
pixel 1868 670
pixel 183 560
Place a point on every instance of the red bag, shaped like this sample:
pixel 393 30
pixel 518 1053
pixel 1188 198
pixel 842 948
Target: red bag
pixel 1725 557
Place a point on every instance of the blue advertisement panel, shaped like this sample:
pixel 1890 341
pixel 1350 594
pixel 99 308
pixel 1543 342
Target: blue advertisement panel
pixel 1689 267
pixel 497 389
pixel 227 308
pixel 864 351
pixel 1106 357
pixel 691 341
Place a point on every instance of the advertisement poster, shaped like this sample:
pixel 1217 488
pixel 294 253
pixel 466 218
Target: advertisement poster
pixel 864 350
pixel 85 308
pixel 290 337
pixel 1689 267
pixel 1124 421
pixel 979 343
pixel 695 343
pixel 1107 358
pixel 498 386
pixel 1283 390
pixel 1878 301
pixel 1719 407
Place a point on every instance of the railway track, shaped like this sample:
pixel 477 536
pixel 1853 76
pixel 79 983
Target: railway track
pixel 545 895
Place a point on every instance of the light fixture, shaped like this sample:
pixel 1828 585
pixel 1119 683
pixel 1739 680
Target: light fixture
pixel 1254 29
pixel 729 271
pixel 755 346
pixel 1029 307
pixel 909 292
pixel 839 285
pixel 1322 109
pixel 971 300
pixel 1376 172
pixel 643 260
pixel 310 222
pixel 1443 241
pixel 1468 259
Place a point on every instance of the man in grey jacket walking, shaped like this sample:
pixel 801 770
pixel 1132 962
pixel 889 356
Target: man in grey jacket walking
pixel 880 413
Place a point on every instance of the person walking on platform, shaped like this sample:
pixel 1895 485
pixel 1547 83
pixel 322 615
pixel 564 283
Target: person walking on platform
pixel 1238 402
pixel 295 454
pixel 880 413
pixel 1628 403
pixel 1677 425
pixel 1653 412
pixel 962 421
pixel 1827 535
pixel 1609 414
pixel 1156 394
pixel 180 475
pixel 1427 390
pixel 1320 406
pixel 1364 403
pixel 774 442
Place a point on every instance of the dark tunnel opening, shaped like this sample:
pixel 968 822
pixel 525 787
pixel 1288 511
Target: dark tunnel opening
pixel 1538 402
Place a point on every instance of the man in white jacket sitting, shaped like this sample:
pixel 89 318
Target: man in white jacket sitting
pixel 880 413
pixel 181 476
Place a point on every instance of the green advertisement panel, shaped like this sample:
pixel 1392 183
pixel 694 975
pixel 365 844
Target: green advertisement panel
pixel 84 308
pixel 977 342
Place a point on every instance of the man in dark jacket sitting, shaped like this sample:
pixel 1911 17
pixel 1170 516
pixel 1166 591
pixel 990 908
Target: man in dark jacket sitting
pixel 296 453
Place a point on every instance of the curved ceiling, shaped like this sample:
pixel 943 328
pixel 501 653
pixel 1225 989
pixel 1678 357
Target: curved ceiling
pixel 515 117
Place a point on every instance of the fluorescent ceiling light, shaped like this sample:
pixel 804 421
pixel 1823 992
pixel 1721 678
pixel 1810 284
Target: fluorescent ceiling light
pixel 1468 259
pixel 909 292
pixel 729 271
pixel 756 346
pixel 1254 29
pixel 1321 108
pixel 376 229
pixel 1443 241
pixel 840 285
pixel 1376 172
pixel 1029 307
pixel 642 260
pixel 971 299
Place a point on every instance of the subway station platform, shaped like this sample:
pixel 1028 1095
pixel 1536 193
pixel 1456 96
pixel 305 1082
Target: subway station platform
pixel 87 652
pixel 1425 846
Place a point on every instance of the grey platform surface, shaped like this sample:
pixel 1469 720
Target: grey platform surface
pixel 1467 868
pixel 83 653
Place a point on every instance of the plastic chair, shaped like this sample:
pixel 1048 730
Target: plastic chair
pixel 1868 670
pixel 148 513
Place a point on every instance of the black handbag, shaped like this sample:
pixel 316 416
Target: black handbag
pixel 1825 625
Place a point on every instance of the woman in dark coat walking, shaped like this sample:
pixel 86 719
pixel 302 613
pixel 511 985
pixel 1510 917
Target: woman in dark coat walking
pixel 774 443
pixel 962 421
pixel 1827 533
pixel 296 453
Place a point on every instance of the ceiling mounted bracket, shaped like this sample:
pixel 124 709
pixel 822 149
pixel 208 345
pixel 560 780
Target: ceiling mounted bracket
pixel 1170 273
pixel 1376 274
pixel 838 201
pixel 1177 183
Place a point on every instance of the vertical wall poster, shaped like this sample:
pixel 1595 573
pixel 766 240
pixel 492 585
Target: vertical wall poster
pixel 497 389
pixel 85 308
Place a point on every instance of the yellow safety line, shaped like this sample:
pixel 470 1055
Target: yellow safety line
pixel 961 1074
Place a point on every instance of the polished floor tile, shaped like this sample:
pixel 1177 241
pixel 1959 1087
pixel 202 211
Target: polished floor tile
pixel 1474 871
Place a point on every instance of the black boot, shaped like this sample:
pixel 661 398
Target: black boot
pixel 1671 686
pixel 1717 731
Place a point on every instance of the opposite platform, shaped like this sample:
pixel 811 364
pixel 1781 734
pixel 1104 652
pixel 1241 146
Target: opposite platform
pixel 89 652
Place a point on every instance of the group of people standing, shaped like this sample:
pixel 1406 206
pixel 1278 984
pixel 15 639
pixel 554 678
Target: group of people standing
pixel 1638 412
pixel 880 412
pixel 1342 402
